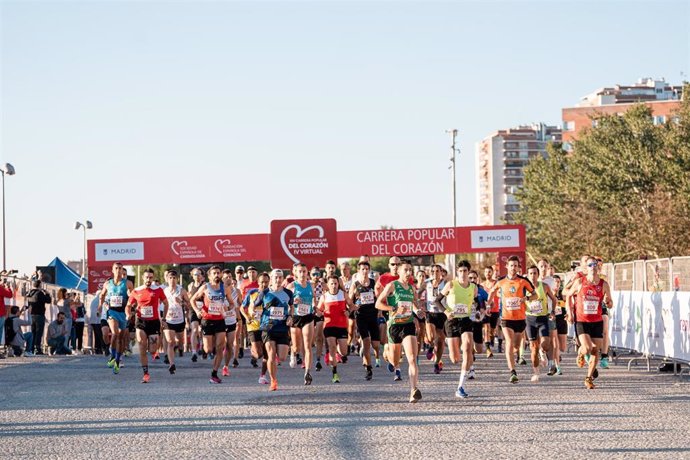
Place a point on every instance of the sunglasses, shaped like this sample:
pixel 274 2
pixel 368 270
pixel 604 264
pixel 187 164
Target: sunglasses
pixel 315 274
pixel 593 264
pixel 394 265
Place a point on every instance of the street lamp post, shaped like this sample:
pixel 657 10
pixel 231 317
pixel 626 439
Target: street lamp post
pixel 9 170
pixel 453 151
pixel 87 225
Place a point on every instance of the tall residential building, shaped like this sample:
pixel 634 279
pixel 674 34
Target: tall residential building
pixel 657 94
pixel 501 158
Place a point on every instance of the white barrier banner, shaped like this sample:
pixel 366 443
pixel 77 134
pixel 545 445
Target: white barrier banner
pixel 651 322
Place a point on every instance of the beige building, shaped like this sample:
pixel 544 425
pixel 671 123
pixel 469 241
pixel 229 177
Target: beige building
pixel 501 158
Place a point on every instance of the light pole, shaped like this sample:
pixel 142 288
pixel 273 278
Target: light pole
pixel 87 225
pixel 454 134
pixel 9 170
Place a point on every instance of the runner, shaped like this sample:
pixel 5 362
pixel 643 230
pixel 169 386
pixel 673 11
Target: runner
pixel 436 323
pixel 254 324
pixel 114 297
pixel 345 280
pixel 242 338
pixel 194 321
pixel 491 328
pixel 398 298
pixel 230 320
pixel 460 297
pixel 560 335
pixel 604 362
pixel 334 306
pixel 553 352
pixel 420 322
pixel 362 294
pixel 148 324
pixel 514 290
pixel 591 293
pixel 276 304
pixel 178 304
pixel 539 313
pixel 317 288
pixel 214 294
pixel 477 320
pixel 302 328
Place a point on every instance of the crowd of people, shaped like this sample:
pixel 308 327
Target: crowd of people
pixel 310 318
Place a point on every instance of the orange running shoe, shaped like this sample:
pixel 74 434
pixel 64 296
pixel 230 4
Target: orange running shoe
pixel 274 385
pixel 145 378
pixel 589 383
pixel 226 371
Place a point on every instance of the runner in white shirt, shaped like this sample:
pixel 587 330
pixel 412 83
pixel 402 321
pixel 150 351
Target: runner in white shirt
pixel 230 319
pixel 178 304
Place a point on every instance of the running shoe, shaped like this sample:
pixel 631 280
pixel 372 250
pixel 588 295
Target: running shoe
pixel 558 370
pixel 415 395
pixel 336 378
pixel 327 358
pixel 110 363
pixel 368 375
pixel 440 364
pixel 461 393
pixel 580 360
pixel 263 380
pixel 235 363
pixel 339 358
pixel 307 379
pixel 535 378
pixel 155 356
pixel 146 378
pixel 254 363
pixel 128 353
pixel 318 366
pixel 172 369
pixel 166 360
pixel 378 363
pixel 299 359
pixel 489 353
pixel 344 359
pixel 430 354
pixel 552 370
pixel 116 368
pixel 470 374
pixel 274 385
pixel 589 383
pixel 513 378
pixel 293 361
pixel 194 358
pixel 398 376
pixel 595 374
pixel 391 367
pixel 605 362
pixel 522 362
pixel 214 379
pixel 226 371
pixel 204 355
pixel 437 368
pixel 240 353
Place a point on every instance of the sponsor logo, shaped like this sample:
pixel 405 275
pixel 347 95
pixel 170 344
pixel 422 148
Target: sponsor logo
pixel 175 246
pixel 184 250
pixel 219 244
pixel 113 252
pixel 481 239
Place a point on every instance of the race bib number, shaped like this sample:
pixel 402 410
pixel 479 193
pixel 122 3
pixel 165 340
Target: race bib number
pixel 115 301
pixel 303 309
pixel 366 297
pixel 406 312
pixel 215 307
pixel 276 313
pixel 535 306
pixel 199 304
pixel 461 309
pixel 146 312
pixel 230 316
pixel 591 307
pixel 559 310
pixel 513 303
pixel 175 314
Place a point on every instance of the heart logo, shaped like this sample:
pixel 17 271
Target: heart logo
pixel 176 245
pixel 219 245
pixel 300 231
pixel 93 273
pixel 106 273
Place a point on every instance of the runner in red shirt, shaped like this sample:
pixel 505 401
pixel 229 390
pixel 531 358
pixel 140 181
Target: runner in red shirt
pixel 148 321
pixel 335 306
pixel 591 293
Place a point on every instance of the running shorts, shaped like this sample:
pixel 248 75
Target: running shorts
pixel 397 332
pixel 368 326
pixel 280 338
pixel 438 320
pixel 175 327
pixel 150 327
pixel 517 325
pixel 561 325
pixel 118 316
pixel 230 328
pixel 301 321
pixel 537 326
pixel 593 330
pixel 458 326
pixel 212 326
pixel 337 332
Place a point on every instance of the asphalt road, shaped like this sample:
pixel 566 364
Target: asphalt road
pixel 74 407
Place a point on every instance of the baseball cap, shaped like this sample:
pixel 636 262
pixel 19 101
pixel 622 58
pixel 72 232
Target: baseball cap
pixel 239 268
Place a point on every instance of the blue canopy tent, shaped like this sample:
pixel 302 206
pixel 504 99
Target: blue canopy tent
pixel 66 277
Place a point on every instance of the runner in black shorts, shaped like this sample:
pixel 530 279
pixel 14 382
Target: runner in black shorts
pixel 436 322
pixel 194 320
pixel 362 294
pixel 253 324
pixel 317 288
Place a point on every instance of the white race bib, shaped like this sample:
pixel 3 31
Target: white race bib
pixel 146 312
pixel 303 309
pixel 115 301
pixel 175 314
pixel 513 303
pixel 461 309
pixel 230 316
pixel 590 307
pixel 216 307
pixel 366 297
pixel 559 310
pixel 535 306
pixel 199 304
pixel 277 313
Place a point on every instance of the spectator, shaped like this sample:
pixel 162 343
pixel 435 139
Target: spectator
pixel 79 320
pixel 25 314
pixel 38 298
pixel 5 293
pixel 57 336
pixel 64 306
pixel 15 338
pixel 95 327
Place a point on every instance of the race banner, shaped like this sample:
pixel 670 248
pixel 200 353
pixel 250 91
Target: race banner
pixel 310 241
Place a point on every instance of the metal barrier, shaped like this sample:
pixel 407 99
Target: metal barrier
pixel 623 277
pixel 680 273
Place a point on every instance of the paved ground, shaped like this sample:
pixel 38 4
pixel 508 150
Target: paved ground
pixel 73 407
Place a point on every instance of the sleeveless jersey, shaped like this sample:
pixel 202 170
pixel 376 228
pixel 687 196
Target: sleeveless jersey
pixel 214 303
pixel 402 301
pixel 334 312
pixel 304 299
pixel 513 291
pixel 431 294
pixel 365 298
pixel 460 300
pixel 175 310
pixel 116 295
pixel 539 307
pixel 588 302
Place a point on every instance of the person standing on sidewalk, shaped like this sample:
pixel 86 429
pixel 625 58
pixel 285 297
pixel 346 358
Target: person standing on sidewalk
pixel 37 299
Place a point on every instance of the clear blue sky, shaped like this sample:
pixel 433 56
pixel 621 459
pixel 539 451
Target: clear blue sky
pixel 191 118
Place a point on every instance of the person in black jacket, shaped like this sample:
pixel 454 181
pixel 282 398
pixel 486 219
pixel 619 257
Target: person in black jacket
pixel 38 298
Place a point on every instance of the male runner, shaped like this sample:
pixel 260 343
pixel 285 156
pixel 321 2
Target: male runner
pixel 491 319
pixel 254 324
pixel 194 286
pixel 230 320
pixel 398 298
pixel 514 291
pixel 248 283
pixel 178 304
pixel 539 313
pixel 333 305
pixel 436 317
pixel 362 294
pixel 114 297
pixel 146 298
pixel 214 294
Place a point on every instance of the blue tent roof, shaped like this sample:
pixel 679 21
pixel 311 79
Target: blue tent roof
pixel 66 277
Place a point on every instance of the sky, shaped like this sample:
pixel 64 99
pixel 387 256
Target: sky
pixel 200 118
